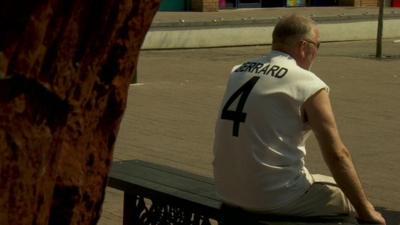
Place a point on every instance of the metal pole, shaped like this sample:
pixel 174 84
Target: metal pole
pixel 380 30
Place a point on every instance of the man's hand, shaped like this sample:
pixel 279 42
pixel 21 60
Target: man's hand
pixel 370 216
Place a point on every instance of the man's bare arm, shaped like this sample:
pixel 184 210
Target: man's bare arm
pixel 321 118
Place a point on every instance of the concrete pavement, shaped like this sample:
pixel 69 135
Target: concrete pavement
pixel 241 27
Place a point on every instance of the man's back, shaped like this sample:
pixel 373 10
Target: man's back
pixel 260 133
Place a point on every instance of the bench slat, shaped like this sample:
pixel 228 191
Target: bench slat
pixel 175 171
pixel 150 178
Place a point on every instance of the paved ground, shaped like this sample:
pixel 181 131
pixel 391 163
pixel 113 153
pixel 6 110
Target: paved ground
pixel 171 112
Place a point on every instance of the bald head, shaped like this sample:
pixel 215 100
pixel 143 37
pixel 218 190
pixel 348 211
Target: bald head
pixel 289 30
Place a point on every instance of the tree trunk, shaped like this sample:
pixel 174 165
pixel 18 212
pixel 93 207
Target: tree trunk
pixel 65 68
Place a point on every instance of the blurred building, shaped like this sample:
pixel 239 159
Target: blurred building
pixel 215 5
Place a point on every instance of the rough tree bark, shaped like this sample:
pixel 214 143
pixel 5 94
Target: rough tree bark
pixel 65 68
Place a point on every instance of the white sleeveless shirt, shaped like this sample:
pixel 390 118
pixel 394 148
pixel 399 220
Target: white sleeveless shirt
pixel 260 135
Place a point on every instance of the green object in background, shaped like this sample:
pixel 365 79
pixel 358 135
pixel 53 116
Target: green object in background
pixel 173 5
pixel 296 3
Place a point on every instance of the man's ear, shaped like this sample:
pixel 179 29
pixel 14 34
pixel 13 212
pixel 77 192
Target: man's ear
pixel 302 49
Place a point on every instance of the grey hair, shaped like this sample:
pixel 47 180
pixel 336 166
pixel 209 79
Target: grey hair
pixel 291 29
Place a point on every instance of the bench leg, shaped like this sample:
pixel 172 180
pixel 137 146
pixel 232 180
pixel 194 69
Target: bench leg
pixel 130 212
pixel 136 212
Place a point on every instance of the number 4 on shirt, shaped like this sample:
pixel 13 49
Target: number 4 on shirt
pixel 238 116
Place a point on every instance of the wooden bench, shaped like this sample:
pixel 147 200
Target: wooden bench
pixel 155 194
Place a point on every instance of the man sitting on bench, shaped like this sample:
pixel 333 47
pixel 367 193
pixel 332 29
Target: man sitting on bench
pixel 270 106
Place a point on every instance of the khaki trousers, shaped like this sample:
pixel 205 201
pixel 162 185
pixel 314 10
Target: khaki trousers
pixel 324 198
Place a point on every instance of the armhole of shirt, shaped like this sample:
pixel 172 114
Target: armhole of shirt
pixel 303 113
